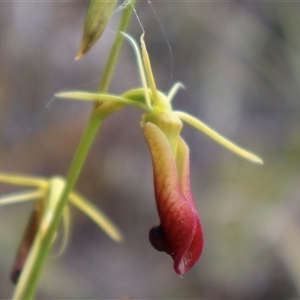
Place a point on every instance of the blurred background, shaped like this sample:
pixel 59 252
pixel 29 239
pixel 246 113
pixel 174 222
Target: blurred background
pixel 240 64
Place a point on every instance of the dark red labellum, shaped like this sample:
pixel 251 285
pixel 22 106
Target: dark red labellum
pixel 157 239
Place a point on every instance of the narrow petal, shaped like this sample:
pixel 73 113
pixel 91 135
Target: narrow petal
pixel 179 234
pixel 97 216
pixel 183 168
pixel 21 197
pixel 96 97
pixel 17 179
pixel 218 137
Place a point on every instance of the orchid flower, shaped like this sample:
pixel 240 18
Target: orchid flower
pixel 180 233
pixel 47 192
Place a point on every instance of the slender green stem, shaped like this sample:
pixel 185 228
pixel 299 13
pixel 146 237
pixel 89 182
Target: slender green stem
pixel 114 53
pixel 78 161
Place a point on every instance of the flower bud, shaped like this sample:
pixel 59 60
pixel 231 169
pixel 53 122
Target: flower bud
pixel 96 20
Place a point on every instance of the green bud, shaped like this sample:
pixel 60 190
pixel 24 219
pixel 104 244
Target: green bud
pixel 98 14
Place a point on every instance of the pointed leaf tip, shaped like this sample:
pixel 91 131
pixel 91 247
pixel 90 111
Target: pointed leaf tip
pixel 79 54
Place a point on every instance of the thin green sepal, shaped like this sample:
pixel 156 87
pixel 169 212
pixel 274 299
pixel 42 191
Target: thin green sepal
pixel 218 137
pixel 86 96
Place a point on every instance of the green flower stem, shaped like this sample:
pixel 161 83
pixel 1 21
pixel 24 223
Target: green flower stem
pixel 114 53
pixel 78 161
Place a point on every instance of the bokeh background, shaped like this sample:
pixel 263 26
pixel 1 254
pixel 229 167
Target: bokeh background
pixel 240 63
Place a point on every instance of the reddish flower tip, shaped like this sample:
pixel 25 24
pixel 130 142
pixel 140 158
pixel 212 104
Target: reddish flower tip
pixel 180 233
